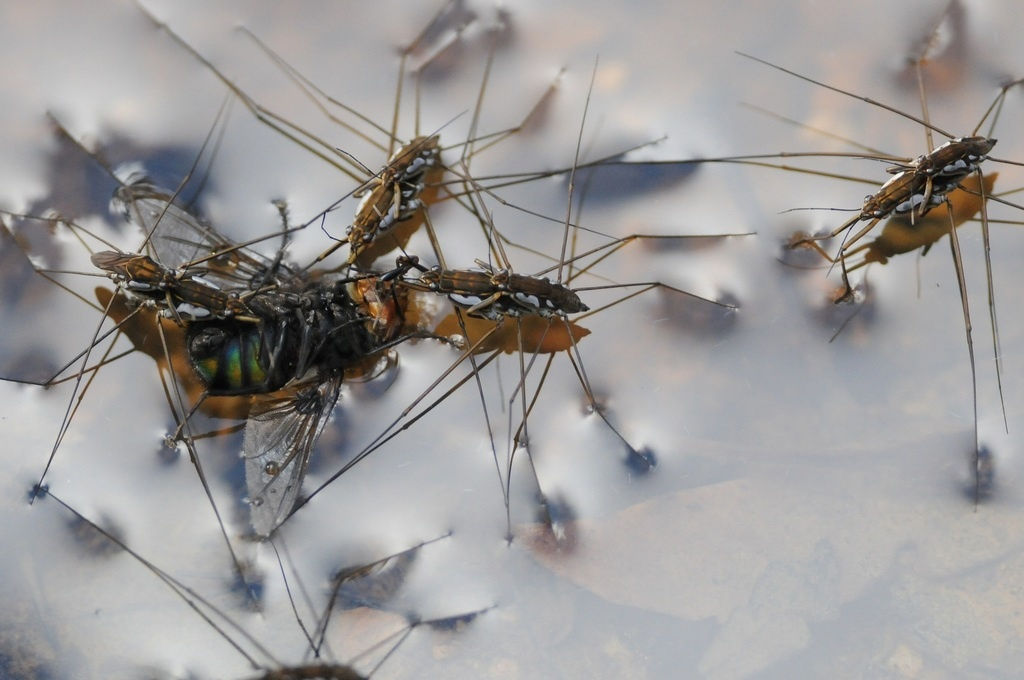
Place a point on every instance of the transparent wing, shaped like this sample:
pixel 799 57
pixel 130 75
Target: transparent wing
pixel 279 438
pixel 179 239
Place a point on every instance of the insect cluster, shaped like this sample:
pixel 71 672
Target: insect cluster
pixel 419 305
pixel 240 332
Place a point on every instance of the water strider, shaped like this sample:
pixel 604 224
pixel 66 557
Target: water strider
pixel 287 339
pixel 917 184
pixel 399 193
pixel 926 197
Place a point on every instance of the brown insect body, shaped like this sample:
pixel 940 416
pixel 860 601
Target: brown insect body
pixel 493 294
pixel 393 195
pixel 183 294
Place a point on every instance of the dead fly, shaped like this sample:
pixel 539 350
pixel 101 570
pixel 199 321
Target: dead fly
pixel 950 175
pixel 252 326
pixel 287 339
pixel 224 321
pixel 498 310
pixel 361 612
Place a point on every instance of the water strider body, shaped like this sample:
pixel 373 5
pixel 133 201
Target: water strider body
pixel 492 293
pixel 184 294
pixel 914 190
pixel 393 195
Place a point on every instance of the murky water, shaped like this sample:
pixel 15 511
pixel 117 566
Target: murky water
pixel 811 512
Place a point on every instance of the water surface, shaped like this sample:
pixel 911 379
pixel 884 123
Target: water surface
pixel 811 512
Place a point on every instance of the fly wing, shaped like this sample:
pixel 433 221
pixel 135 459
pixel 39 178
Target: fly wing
pixel 177 238
pixel 279 438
